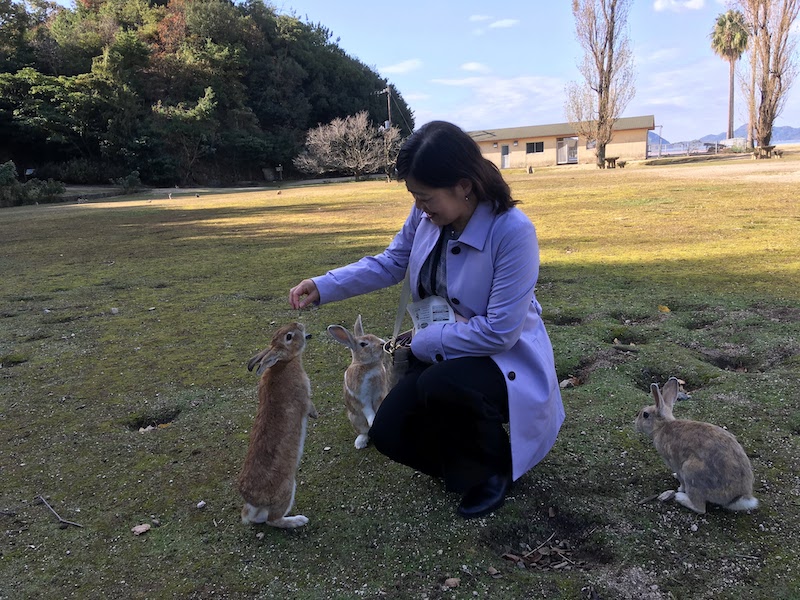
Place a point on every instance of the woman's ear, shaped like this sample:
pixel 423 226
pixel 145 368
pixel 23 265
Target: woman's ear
pixel 464 187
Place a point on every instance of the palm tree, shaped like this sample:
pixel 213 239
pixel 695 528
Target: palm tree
pixel 729 41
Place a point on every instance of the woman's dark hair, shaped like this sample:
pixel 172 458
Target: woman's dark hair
pixel 440 154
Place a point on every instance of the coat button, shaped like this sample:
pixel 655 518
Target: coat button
pixel 457 250
pixel 456 301
pixel 512 376
pixel 439 358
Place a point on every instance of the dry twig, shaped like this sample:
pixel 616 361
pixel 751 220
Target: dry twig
pixel 60 520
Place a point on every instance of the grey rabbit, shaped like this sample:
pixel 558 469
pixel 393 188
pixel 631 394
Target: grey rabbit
pixel 707 460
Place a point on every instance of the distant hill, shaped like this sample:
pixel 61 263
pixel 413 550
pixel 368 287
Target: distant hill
pixel 653 138
pixel 779 134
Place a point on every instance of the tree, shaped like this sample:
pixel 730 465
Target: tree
pixel 189 131
pixel 729 41
pixel 351 145
pixel 773 60
pixel 607 68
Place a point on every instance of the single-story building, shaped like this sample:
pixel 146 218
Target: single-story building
pixel 558 144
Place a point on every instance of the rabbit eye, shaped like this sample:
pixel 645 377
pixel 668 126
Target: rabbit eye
pixel 646 415
pixel 364 344
pixel 289 337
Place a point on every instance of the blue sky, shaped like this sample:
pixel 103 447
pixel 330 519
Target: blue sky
pixel 486 64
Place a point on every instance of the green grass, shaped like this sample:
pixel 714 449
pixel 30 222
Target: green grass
pixel 139 311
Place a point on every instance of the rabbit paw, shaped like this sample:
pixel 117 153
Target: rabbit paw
pixel 683 499
pixel 362 441
pixel 289 522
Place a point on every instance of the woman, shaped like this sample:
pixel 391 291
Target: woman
pixel 464 241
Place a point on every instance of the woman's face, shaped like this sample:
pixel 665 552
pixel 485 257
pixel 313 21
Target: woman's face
pixel 444 206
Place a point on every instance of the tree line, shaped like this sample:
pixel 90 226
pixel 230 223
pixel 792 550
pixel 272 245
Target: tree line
pixel 173 91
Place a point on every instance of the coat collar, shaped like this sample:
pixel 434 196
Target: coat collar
pixel 477 231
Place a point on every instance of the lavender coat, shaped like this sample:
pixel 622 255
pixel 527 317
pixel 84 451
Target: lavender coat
pixel 491 273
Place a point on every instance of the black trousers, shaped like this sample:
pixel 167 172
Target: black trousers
pixel 446 420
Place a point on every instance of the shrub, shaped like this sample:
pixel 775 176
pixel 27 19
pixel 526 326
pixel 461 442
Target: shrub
pixel 129 183
pixel 14 193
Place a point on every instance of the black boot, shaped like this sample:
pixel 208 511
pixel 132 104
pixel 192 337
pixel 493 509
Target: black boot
pixel 485 497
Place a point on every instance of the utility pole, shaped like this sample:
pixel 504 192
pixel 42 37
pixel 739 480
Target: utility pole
pixel 388 93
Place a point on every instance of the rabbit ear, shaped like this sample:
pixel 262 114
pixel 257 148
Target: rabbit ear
pixel 341 335
pixel 358 329
pixel 656 394
pixel 671 392
pixel 256 359
pixel 264 359
pixel 270 358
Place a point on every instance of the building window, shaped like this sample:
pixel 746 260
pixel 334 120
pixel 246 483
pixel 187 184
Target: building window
pixel 534 147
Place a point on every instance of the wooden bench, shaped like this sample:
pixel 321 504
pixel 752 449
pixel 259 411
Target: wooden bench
pixel 611 162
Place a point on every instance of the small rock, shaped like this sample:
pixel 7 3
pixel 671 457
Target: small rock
pixel 114 311
pixel 666 496
pixel 140 529
pixel 201 504
pixel 452 582
pixel 566 384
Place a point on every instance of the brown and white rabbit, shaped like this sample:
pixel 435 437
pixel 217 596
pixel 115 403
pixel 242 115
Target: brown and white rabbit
pixel 365 380
pixel 709 463
pixel 267 481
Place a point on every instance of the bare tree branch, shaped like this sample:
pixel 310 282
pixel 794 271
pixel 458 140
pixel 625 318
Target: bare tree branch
pixel 593 106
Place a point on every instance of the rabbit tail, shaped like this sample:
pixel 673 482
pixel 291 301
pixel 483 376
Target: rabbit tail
pixel 743 503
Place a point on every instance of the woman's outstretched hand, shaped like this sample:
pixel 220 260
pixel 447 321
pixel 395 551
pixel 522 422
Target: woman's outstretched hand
pixel 303 294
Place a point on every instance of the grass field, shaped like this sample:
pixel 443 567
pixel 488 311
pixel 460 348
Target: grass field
pixel 121 314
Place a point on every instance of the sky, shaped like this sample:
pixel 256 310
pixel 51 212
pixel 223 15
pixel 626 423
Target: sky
pixel 489 65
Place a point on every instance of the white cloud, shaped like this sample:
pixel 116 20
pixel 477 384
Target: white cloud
pixel 503 23
pixel 416 96
pixel 678 5
pixel 659 56
pixel 491 102
pixel 405 66
pixel 475 67
pixel 476 18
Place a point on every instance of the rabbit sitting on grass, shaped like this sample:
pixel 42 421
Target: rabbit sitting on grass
pixel 267 481
pixel 365 380
pixel 708 461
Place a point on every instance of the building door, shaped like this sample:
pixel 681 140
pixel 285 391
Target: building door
pixel 567 151
pixel 505 157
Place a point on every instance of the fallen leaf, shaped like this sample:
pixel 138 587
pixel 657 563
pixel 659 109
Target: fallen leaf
pixel 664 309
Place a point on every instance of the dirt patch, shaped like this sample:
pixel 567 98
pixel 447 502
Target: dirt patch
pixel 737 168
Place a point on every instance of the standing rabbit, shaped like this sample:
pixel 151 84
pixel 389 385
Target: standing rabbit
pixel 709 463
pixel 267 481
pixel 365 380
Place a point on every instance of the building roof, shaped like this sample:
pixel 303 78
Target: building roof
pixel 556 129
